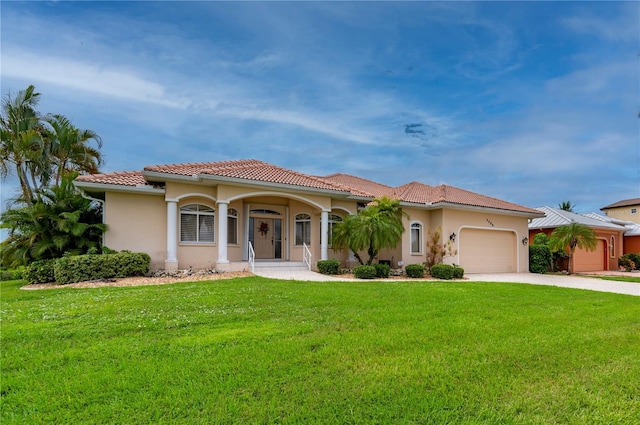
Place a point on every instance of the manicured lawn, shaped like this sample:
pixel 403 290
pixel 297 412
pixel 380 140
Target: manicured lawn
pixel 633 279
pixel 259 351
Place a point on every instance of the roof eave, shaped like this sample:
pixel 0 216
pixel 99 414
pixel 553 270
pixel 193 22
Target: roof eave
pixel 503 211
pixel 107 187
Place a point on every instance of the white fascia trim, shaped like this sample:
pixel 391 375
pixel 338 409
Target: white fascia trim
pixel 104 187
pixel 484 209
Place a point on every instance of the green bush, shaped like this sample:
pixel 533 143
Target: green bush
pixel 539 258
pixel 635 257
pixel 364 272
pixel 41 271
pixel 626 263
pixel 329 266
pixel 415 270
pixel 442 271
pixel 540 239
pixel 91 267
pixel 12 274
pixel 458 272
pixel 382 270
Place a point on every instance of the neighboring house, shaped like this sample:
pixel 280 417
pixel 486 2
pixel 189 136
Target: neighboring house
pixel 610 238
pixel 627 210
pixel 211 215
pixel 631 233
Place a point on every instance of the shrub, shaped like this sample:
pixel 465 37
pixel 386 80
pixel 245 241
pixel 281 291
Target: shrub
pixel 12 274
pixel 626 263
pixel 41 271
pixel 539 258
pixel 458 272
pixel 382 270
pixel 90 267
pixel 540 239
pixel 329 266
pixel 635 257
pixel 364 272
pixel 415 270
pixel 442 271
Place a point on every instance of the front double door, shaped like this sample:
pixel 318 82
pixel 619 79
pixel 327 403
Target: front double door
pixel 265 234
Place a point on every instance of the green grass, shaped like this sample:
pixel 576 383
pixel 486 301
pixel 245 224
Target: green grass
pixel 260 351
pixel 620 278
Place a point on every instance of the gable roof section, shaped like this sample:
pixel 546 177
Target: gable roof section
pixel 623 203
pixel 631 228
pixel 555 217
pixel 252 170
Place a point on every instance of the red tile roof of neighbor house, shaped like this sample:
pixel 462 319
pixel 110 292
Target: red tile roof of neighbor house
pixel 624 203
pixel 253 170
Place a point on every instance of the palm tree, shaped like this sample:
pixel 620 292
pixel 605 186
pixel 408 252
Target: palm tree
pixel 574 235
pixel 376 227
pixel 23 146
pixel 60 221
pixel 566 206
pixel 70 149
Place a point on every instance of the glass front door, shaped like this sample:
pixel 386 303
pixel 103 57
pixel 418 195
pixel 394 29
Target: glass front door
pixel 265 234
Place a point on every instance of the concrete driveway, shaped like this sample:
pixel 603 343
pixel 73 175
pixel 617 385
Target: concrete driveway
pixel 575 281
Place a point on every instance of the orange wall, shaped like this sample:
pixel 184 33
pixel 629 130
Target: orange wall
pixel 632 244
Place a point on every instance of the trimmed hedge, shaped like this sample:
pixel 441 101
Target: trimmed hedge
pixel 12 274
pixel 382 270
pixel 415 270
pixel 442 271
pixel 91 267
pixel 632 257
pixel 458 272
pixel 329 266
pixel 539 258
pixel 626 263
pixel 41 271
pixel 364 272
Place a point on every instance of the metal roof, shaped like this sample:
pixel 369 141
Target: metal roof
pixel 555 217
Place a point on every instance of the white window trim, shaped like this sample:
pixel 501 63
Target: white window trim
pixel 421 236
pixel 295 228
pixel 197 214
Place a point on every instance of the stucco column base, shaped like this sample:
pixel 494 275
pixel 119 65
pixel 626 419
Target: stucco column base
pixel 237 266
pixel 170 266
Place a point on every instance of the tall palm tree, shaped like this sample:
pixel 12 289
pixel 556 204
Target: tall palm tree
pixel 23 146
pixel 70 147
pixel 573 235
pixel 376 227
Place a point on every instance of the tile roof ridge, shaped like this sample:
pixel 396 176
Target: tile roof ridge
pixel 105 174
pixel 358 178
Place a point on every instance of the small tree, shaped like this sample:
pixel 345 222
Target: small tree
pixel 574 235
pixel 437 251
pixel 374 228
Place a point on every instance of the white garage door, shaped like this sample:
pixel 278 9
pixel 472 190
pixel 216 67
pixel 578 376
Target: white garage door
pixel 488 251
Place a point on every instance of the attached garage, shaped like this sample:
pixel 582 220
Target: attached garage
pixel 591 261
pixel 488 251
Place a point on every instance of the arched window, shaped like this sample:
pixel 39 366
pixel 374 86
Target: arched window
pixel 303 229
pixel 197 223
pixel 416 238
pixel 232 226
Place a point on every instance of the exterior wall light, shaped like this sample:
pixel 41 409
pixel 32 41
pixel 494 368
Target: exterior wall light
pixel 525 240
pixel 452 237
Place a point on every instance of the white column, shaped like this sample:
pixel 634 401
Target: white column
pixel 324 235
pixel 171 262
pixel 222 232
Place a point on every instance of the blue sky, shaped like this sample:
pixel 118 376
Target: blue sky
pixel 531 102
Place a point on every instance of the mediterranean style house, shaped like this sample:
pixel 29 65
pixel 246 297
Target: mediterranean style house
pixel 228 214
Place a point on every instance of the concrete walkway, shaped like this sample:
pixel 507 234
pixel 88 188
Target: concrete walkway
pixel 576 282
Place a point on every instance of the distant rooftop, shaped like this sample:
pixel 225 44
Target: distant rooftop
pixel 624 203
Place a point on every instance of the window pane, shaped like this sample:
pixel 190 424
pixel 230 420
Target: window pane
pixel 415 238
pixel 232 230
pixel 188 224
pixel 206 228
pixel 299 233
pixel 307 233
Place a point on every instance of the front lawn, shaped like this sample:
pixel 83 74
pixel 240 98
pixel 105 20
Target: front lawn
pixel 261 351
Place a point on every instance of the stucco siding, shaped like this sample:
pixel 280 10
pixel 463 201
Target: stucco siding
pixel 137 223
pixel 625 213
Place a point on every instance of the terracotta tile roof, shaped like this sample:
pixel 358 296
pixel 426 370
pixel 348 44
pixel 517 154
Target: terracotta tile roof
pixel 125 178
pixel 417 192
pixel 252 170
pixel 359 186
pixel 624 203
